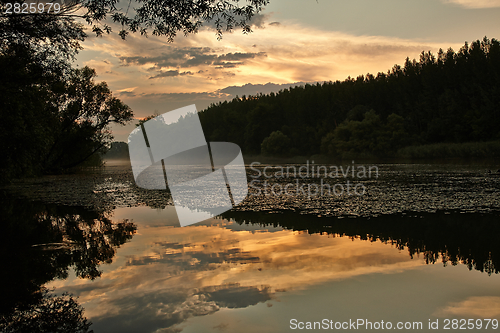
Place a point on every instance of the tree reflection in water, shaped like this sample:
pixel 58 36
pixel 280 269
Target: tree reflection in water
pixel 42 242
pixel 50 313
pixel 450 237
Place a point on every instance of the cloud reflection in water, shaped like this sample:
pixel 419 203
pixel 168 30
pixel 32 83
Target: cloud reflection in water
pixel 167 275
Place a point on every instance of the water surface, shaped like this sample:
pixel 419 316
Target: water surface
pixel 420 245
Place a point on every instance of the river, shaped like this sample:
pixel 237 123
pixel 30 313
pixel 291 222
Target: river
pixel 413 246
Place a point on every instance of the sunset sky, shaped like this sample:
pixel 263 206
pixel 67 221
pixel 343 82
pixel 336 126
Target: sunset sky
pixel 293 42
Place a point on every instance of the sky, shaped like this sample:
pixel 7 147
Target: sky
pixel 293 42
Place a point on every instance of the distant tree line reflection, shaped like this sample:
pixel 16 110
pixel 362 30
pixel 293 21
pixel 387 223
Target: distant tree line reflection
pixel 449 237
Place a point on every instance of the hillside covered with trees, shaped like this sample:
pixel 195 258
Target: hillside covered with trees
pixel 450 98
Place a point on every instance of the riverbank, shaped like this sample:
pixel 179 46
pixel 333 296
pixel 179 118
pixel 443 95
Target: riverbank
pixel 484 153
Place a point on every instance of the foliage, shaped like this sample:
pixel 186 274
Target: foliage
pixel 44 241
pixel 159 17
pixel 86 109
pixel 275 144
pixel 117 150
pixel 453 97
pixel 369 135
pixel 61 314
pixel 143 120
pixel 51 120
pixel 54 117
pixel 53 39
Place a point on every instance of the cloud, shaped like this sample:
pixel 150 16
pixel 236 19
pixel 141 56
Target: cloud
pixel 191 57
pixel 183 96
pixel 255 89
pixel 236 296
pixel 146 103
pixel 174 306
pixel 125 94
pixel 100 65
pixel 170 73
pixel 279 53
pixel 475 307
pixel 259 20
pixel 475 3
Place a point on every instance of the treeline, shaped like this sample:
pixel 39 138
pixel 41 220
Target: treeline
pixel 451 97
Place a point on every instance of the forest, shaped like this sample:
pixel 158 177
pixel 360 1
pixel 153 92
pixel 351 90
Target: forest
pixel 439 105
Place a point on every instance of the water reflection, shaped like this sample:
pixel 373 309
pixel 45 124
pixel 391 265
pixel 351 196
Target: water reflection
pixel 41 243
pixel 50 313
pixel 168 275
pixel 171 279
pixel 449 237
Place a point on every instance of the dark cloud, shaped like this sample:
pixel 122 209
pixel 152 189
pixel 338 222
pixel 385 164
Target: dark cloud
pixel 223 64
pixel 221 327
pixel 238 56
pixel 205 260
pixel 172 245
pixel 166 310
pixel 173 58
pixel 258 20
pixel 146 104
pixel 154 311
pixel 275 23
pixel 170 73
pixel 166 74
pixel 236 296
pixel 191 57
pixel 125 94
pixel 184 97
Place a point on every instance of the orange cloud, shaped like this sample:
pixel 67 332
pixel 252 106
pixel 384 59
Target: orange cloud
pixel 280 54
pixel 473 307
pixel 475 3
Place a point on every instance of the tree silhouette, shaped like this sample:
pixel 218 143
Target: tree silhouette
pixel 158 17
pixel 50 313
pixel 54 117
pixel 44 241
pixel 276 143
